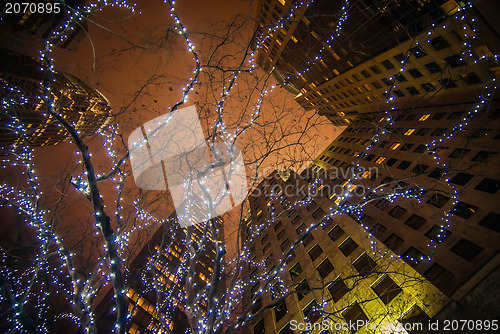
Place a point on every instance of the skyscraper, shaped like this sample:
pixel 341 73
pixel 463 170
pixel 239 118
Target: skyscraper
pixel 24 112
pixel 451 235
pixel 346 59
pixel 157 288
pixel 332 276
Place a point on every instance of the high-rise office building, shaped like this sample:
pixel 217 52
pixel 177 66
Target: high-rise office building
pixel 24 112
pixel 157 285
pixel 346 59
pixel 451 235
pixel 333 277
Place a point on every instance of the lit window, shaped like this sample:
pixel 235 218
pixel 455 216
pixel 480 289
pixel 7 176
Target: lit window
pixel 409 132
pixel 395 146
pixel 424 117
pixel 380 160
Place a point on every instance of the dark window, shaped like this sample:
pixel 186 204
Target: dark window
pixel 437 234
pixel 472 78
pixel 454 61
pixel 437 200
pixel 266 248
pixel 463 210
pixel 319 213
pixel 384 143
pixel 483 156
pixel 325 268
pixel 404 164
pixel 438 132
pixel 406 147
pixel 383 204
pixel 387 81
pixel 348 246
pixel 355 316
pixel 466 249
pixel 397 212
pixel 255 288
pixel 281 235
pixel 311 206
pixel 386 289
pixel 413 318
pixel 375 69
pixel 455 115
pixel 296 220
pixel 412 90
pixel 394 242
pixel 419 169
pixel 378 230
pixel 286 329
pixel 415 221
pixel 285 245
pixel 278 226
pixel 398 93
pixel 257 306
pixel 364 265
pixel 365 73
pixel 491 221
pixel 422 132
pixel 259 328
pixel 433 67
pixel 413 256
pixel 315 252
pixel 387 64
pixel 311 313
pixel 308 240
pixel 301 229
pixel 280 311
pixel 415 73
pixel 376 84
pixel 447 83
pixel 302 289
pixel 461 179
pixel 366 220
pixel 439 43
pixel 400 57
pixel 458 153
pixel 391 162
pixel 420 149
pixel 400 77
pixel 418 51
pixel 439 276
pixel 295 271
pixel 336 233
pixel 428 87
pixel 338 289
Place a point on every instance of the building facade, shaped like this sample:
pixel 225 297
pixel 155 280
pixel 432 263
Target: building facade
pixel 448 158
pixel 26 119
pixel 334 279
pixel 346 59
pixel 157 290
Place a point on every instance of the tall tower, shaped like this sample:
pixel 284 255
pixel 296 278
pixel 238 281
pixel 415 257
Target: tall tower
pixel 162 277
pixel 347 58
pixel 449 158
pixel 25 116
pixel 331 276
